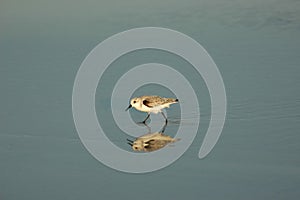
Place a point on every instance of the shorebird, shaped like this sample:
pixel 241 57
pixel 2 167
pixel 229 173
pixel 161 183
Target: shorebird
pixel 151 104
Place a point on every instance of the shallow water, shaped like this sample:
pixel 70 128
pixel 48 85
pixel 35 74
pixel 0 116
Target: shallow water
pixel 256 47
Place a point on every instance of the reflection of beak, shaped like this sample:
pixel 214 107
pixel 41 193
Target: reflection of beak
pixel 128 107
pixel 130 142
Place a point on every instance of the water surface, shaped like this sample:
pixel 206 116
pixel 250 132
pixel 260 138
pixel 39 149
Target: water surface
pixel 256 46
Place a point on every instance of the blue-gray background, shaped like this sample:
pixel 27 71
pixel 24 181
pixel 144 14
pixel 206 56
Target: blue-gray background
pixel 256 45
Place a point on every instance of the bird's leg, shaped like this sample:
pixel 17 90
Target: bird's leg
pixel 164 128
pixel 164 117
pixel 144 122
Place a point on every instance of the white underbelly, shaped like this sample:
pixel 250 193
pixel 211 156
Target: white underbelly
pixel 156 109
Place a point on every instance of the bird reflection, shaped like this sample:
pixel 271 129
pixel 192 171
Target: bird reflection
pixel 151 141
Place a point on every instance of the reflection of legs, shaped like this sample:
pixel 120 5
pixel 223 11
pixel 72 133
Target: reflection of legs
pixel 164 117
pixel 146 118
pixel 130 142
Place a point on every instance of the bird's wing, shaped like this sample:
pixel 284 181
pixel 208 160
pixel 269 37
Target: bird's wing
pixel 148 103
pixel 153 101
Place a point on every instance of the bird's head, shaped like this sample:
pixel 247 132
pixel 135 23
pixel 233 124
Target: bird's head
pixel 133 103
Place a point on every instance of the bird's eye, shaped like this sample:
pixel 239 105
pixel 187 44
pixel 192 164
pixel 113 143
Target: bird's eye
pixel 134 101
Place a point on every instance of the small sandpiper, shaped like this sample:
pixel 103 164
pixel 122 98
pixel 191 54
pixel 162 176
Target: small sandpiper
pixel 151 104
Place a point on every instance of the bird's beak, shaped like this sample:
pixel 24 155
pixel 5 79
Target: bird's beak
pixel 128 107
